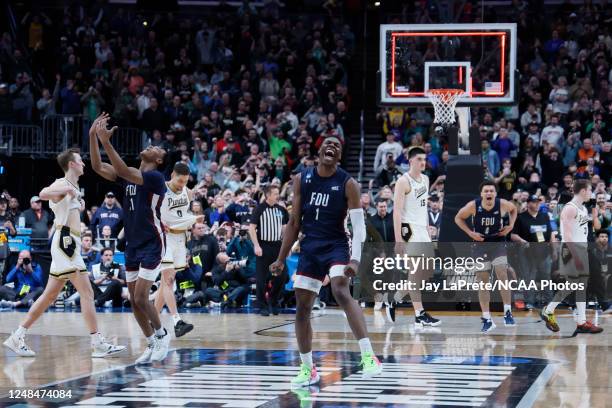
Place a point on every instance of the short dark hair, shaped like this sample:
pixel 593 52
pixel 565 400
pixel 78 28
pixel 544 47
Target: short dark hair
pixel 181 168
pixel 268 189
pixel 413 151
pixel 580 184
pixel 107 249
pixel 65 157
pixel 487 183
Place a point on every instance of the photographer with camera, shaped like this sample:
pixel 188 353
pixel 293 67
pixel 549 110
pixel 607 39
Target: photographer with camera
pixel 230 285
pixel 108 280
pixel 27 278
pixel 241 248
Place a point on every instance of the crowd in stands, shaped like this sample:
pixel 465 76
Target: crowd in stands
pixel 244 96
pixel 560 130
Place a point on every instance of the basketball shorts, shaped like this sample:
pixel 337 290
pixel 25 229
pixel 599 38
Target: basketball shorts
pixel 66 259
pixel 415 233
pixel 493 254
pixel 567 260
pixel 144 261
pixel 417 242
pixel 176 251
pixel 318 260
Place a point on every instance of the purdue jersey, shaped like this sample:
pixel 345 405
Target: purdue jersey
pixel 61 209
pixel 415 202
pixel 580 224
pixel 175 210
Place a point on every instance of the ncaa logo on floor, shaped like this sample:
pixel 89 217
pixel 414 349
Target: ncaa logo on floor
pixel 255 378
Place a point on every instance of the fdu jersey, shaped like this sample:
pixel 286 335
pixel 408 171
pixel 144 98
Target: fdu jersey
pixel 142 209
pixel 489 222
pixel 324 205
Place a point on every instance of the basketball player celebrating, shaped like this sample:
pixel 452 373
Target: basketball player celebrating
pixel 66 261
pixel 487 213
pixel 573 262
pixel 410 221
pixel 176 217
pixel 144 193
pixel 322 196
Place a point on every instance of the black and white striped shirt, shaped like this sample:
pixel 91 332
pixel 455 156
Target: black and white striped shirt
pixel 269 222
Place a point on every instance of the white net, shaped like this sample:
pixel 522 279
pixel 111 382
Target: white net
pixel 444 101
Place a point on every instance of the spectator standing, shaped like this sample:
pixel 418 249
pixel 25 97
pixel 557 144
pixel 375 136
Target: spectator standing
pixel 40 220
pixel 6 219
pixel 109 213
pixel 553 133
pixel 383 149
pixel 383 221
pixel 600 260
pixel 533 230
pixel 267 227
pixel 46 104
pixel 490 157
pixel 70 98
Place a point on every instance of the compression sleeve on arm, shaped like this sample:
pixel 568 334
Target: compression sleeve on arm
pixel 359 232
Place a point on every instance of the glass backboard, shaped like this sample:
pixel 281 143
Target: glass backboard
pixel 480 59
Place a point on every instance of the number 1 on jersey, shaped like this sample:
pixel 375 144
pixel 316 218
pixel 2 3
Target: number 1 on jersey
pixel 131 204
pixel 317 215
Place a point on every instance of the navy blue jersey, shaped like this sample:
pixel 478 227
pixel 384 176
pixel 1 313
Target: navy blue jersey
pixel 141 209
pixel 324 205
pixel 489 222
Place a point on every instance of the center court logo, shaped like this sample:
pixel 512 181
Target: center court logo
pixel 257 378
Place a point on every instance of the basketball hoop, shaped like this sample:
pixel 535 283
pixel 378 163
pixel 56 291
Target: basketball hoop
pixel 444 102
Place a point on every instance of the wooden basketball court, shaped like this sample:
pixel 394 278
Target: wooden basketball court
pixel 244 360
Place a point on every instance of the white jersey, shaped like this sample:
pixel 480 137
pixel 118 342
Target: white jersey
pixel 415 202
pixel 580 224
pixel 62 208
pixel 175 210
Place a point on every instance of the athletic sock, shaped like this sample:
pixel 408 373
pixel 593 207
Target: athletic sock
pixel 507 308
pixel 486 315
pixel 418 312
pixel 550 308
pixel 176 318
pixel 150 339
pixel 365 346
pixel 306 359
pixel 96 338
pixel 161 332
pixel 21 331
pixel 580 316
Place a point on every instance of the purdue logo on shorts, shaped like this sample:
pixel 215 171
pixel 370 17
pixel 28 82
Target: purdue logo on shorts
pixel 66 241
pixel 406 232
pixel 67 244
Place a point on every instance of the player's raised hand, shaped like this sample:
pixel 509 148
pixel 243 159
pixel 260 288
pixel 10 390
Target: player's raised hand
pixel 94 125
pixel 103 132
pixel 277 267
pixel 351 269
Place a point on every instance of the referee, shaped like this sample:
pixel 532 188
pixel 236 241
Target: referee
pixel 266 230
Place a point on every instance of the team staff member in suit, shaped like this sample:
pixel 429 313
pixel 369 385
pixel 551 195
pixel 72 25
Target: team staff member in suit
pixel 533 226
pixel 266 230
